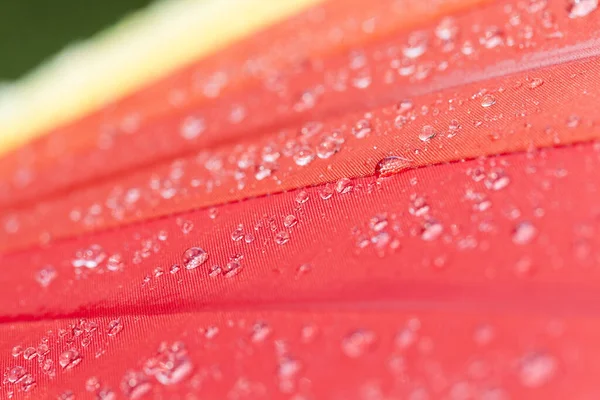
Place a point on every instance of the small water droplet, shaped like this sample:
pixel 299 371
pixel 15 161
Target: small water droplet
pixel 362 128
pixel 69 359
pixel 573 121
pixel 303 156
pixel 186 226
pixel 92 384
pixel 135 385
pixel 302 197
pixel 290 221
pixel 432 229
pixel 282 237
pixel 447 29
pixel 174 268
pixel 391 165
pixel 537 369
pixel 90 257
pixel 524 233
pixel 378 223
pixel 260 331
pixel 453 128
pixel 232 268
pixel 192 127
pixel 115 263
pixel 46 275
pixel 114 327
pixel 325 192
pixel 17 351
pixel 358 343
pixel 344 185
pixel 427 133
pixel 194 257
pixel 582 8
pixel 488 100
pixel 16 374
pixel 497 180
pixel 535 83
pixel 29 353
pixel 328 147
pixel 416 46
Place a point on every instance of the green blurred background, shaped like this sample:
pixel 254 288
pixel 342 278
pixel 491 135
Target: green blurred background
pixel 32 30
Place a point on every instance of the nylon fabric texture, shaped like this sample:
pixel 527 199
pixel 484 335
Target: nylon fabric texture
pixel 366 201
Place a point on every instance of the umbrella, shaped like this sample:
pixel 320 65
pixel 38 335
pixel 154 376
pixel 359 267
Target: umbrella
pixel 307 200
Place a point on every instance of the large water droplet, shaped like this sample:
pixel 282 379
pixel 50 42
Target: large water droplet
pixel 391 165
pixel 194 257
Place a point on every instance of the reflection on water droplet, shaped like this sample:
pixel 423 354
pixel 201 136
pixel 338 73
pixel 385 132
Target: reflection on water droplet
pixel 174 268
pixel 391 165
pixel 90 257
pixel 488 100
pixel 303 156
pixel 194 257
pixel 524 233
pixel 537 369
pixel 115 263
pixel 16 374
pixel 416 46
pixel 344 185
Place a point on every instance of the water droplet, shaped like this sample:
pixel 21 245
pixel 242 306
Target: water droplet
pixel 171 364
pixel 46 275
pixel 325 192
pixel 524 233
pixel 358 343
pixel 238 233
pixel 17 351
pixel 536 82
pixel 573 121
pixel 16 374
pixel 114 327
pixel 302 197
pixel 135 384
pixel 115 263
pixel 68 395
pixel 488 100
pixel 248 238
pixel 497 180
pixel 211 332
pixel 215 271
pixel 362 128
pixel 90 257
pixel 186 226
pixel 69 359
pixel 303 156
pixel 328 147
pixel 192 127
pixel 416 46
pixel 344 185
pixel 537 369
pixel 282 237
pixel 27 383
pixel 418 206
pixel 582 8
pixel 92 384
pixel 260 331
pixel 194 257
pixel 174 268
pixel 431 230
pixel 391 165
pixel 29 353
pixel 212 213
pixel 290 221
pixel 427 133
pixel 483 335
pixel 453 128
pixel 304 268
pixel 232 268
pixel 378 223
pixel 447 29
